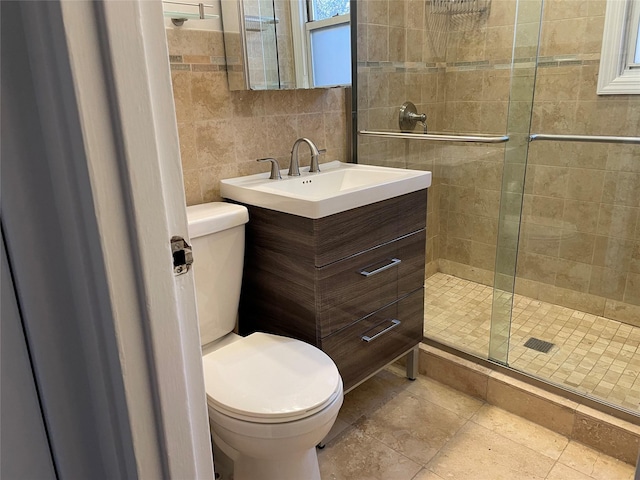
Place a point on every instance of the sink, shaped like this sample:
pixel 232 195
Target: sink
pixel 337 188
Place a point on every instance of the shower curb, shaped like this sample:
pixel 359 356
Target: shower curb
pixel 558 410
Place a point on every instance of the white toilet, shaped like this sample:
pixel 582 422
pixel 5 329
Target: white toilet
pixel 271 399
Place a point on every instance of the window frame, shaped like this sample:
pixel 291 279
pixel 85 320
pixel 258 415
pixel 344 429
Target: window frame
pixel 618 74
pixel 301 29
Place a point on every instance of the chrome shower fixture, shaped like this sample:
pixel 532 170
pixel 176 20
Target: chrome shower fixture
pixel 409 116
pixel 458 7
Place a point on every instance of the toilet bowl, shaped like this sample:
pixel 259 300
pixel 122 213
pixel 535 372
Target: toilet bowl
pixel 271 399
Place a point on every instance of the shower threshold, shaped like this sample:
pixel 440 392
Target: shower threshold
pixel 456 342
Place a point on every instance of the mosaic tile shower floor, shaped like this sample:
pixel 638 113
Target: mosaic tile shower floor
pixel 592 354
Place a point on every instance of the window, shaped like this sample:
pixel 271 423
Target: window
pixel 324 45
pixel 620 56
pixel 329 42
pixel 321 9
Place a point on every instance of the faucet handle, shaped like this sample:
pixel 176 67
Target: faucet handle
pixel 315 165
pixel 275 168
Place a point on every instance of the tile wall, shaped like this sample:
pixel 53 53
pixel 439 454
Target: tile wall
pixel 580 238
pixel 223 132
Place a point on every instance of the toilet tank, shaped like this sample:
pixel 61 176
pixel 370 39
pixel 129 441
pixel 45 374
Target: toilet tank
pixel 216 232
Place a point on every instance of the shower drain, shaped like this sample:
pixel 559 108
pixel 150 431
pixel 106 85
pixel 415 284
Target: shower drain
pixel 538 345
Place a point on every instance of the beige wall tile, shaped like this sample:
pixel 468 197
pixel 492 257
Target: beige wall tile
pixel 602 117
pixel 539 268
pixel 483 256
pixel 561 37
pixel 593 35
pixel 210 96
pixel 397 44
pixel 623 312
pixel 471 45
pixel 632 289
pixel 541 239
pixel 606 282
pixel 415 14
pixel 545 210
pixel 563 9
pixel 496 84
pixel 585 184
pixel 581 215
pixel 485 230
pixel 558 116
pixel 614 253
pixel 215 143
pixel 554 84
pixel 573 275
pixel 192 187
pixel 577 247
pixel 617 221
pixel 378 43
pixel 550 181
pixel 584 302
pixel 188 151
pixel 181 84
pixel 622 188
pixel 499 41
pixel 378 12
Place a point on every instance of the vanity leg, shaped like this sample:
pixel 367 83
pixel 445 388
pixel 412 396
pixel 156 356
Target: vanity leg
pixel 412 363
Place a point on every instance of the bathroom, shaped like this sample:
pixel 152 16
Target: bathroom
pixel 459 69
pixel 222 133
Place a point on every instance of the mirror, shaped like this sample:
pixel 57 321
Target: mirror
pixel 277 44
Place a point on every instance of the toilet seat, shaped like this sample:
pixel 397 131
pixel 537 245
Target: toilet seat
pixel 289 379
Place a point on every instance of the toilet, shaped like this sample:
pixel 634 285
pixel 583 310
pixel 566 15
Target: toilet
pixel 271 399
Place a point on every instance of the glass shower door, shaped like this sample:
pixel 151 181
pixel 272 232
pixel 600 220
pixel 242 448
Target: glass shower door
pixel 574 318
pixel 457 68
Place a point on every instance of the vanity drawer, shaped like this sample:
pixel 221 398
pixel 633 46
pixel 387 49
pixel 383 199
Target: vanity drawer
pixel 349 233
pixel 374 341
pixel 356 286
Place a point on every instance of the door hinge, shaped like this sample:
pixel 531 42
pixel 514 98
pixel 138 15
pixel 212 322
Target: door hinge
pixel 182 255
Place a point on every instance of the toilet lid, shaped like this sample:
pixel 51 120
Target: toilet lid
pixel 265 377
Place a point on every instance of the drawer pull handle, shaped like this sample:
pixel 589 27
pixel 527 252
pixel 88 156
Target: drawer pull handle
pixel 394 324
pixel 393 263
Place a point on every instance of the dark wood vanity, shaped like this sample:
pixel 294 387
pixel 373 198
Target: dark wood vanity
pixel 351 284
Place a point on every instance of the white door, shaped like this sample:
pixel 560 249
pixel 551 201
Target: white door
pixel 91 195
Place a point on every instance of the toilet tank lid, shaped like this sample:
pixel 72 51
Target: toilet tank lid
pixel 209 218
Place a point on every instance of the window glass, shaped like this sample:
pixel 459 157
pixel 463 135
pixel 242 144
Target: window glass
pixel 321 9
pixel 331 61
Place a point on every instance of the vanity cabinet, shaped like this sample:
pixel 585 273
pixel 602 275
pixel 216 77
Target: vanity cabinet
pixel 350 283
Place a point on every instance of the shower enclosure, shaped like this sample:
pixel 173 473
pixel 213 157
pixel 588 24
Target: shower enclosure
pixel 533 222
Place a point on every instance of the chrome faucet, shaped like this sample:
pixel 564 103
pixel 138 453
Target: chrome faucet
pixel 275 168
pixel 294 167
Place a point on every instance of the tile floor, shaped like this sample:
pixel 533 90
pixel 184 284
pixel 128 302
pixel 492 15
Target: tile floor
pixel 393 429
pixel 592 354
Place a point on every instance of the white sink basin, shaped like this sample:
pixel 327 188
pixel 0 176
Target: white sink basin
pixel 337 188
